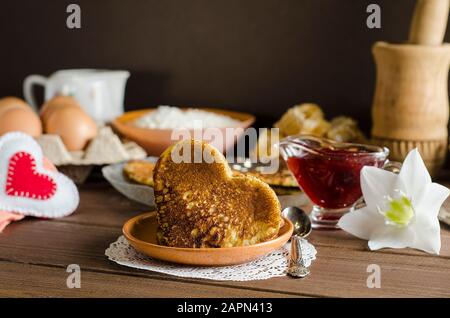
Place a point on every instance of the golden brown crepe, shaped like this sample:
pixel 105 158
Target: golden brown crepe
pixel 204 205
pixel 282 178
pixel 140 171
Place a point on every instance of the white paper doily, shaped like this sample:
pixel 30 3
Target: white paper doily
pixel 271 265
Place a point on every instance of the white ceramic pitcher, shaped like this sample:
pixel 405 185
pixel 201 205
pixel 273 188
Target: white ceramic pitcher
pixel 100 92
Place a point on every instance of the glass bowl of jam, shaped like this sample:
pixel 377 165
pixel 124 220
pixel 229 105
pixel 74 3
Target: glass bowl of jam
pixel 329 173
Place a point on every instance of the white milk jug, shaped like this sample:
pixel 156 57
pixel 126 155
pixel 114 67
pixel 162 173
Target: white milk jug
pixel 100 92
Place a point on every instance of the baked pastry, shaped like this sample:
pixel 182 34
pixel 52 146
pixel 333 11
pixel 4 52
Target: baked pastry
pixel 345 129
pixel 201 204
pixel 306 119
pixel 140 171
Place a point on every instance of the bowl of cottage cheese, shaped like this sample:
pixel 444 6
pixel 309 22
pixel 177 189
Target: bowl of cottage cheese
pixel 157 128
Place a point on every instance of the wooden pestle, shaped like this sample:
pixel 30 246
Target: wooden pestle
pixel 429 22
pixel 410 106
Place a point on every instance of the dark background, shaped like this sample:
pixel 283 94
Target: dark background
pixel 259 56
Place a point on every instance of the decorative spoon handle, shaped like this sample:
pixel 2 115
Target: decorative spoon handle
pixel 296 267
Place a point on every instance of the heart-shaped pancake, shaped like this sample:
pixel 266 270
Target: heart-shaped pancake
pixel 201 204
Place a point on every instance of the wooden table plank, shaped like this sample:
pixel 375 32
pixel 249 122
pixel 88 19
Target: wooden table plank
pixel 93 211
pixel 44 246
pixel 101 204
pixel 22 280
pixel 337 272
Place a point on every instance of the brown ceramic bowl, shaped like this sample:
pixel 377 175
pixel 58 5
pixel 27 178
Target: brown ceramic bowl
pixel 155 141
pixel 140 232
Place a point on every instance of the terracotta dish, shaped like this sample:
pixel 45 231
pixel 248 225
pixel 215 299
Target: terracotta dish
pixel 155 141
pixel 140 232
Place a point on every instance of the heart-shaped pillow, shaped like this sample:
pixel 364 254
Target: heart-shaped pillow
pixel 201 204
pixel 26 187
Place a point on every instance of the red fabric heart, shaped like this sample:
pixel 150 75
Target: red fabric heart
pixel 24 181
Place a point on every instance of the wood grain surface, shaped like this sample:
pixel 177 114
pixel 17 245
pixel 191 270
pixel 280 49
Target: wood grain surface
pixel 35 253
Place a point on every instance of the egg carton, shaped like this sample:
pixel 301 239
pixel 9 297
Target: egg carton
pixel 106 148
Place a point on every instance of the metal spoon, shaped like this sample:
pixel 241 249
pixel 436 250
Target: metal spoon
pixel 302 228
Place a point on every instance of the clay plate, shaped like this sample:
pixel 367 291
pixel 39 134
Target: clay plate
pixel 140 232
pixel 155 141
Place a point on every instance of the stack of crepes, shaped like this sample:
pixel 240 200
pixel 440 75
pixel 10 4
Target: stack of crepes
pixel 309 119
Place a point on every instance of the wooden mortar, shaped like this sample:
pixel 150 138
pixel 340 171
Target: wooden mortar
pixel 410 107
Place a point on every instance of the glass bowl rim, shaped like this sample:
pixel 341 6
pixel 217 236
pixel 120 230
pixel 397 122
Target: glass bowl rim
pixel 373 150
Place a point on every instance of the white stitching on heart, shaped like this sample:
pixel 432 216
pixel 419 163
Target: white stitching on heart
pixel 11 167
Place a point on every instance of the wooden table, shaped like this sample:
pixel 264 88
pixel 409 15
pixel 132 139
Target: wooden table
pixel 34 255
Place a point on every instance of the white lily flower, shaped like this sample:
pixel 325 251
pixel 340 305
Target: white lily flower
pixel 401 209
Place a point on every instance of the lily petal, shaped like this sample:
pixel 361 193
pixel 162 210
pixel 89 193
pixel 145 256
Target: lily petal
pixel 426 225
pixel 376 184
pixel 427 209
pixel 427 237
pixel 361 223
pixel 414 175
pixel 391 236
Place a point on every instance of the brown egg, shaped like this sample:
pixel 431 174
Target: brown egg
pixel 56 103
pixel 20 118
pixel 11 101
pixel 72 124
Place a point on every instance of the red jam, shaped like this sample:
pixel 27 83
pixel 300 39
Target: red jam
pixel 331 177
